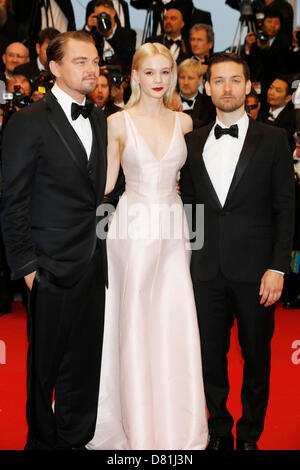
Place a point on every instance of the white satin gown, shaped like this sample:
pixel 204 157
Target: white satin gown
pixel 151 389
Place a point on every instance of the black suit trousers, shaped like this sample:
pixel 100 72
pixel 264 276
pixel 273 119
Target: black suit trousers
pixel 218 301
pixel 65 330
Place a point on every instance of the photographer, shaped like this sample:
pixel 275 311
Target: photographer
pixel 285 9
pixel 121 7
pixel 115 45
pixel 267 53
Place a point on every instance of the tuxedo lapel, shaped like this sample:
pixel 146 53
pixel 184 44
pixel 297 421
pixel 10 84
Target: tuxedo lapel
pixel 67 135
pixel 248 150
pixel 97 159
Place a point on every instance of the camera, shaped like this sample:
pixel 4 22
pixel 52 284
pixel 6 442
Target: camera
pixel 116 76
pixel 42 83
pixel 104 23
pixel 11 102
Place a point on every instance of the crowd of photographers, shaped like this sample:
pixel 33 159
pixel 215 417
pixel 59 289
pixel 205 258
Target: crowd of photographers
pixel 270 46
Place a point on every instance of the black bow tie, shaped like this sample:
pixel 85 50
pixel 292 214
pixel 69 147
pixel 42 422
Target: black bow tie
pixel 177 42
pixel 77 109
pixel 271 117
pixel 185 100
pixel 232 130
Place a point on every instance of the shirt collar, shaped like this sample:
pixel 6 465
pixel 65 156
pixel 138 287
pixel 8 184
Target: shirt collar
pixel 242 124
pixel 64 99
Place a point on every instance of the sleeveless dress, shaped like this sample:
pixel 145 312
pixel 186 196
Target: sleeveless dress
pixel 151 389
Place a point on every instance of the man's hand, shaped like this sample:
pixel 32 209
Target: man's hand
pixel 92 21
pixel 298 150
pixel 249 41
pixel 29 279
pixel 271 287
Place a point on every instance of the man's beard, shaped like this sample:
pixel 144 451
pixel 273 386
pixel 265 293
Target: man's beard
pixel 88 87
pixel 229 107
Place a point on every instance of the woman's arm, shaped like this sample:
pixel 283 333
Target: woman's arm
pixel 115 144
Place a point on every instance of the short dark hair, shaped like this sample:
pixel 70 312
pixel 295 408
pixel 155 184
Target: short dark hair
pixel 47 34
pixel 220 57
pixel 273 12
pixel 288 80
pixel 56 47
pixel 104 3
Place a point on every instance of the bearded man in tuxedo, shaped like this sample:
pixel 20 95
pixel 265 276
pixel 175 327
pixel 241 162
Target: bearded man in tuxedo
pixel 54 176
pixel 241 171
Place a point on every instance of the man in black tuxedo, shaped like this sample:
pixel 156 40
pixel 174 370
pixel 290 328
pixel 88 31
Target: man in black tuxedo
pixel 122 12
pixel 241 171
pixel 54 176
pixel 191 14
pixel 116 45
pixel 198 105
pixel 280 111
pixel 172 38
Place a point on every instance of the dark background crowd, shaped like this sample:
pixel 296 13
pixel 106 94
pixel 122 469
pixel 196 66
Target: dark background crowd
pixel 271 48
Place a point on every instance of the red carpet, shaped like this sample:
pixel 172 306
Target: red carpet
pixel 282 427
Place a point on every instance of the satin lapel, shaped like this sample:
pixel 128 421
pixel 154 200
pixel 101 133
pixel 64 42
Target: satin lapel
pixel 101 164
pixel 68 136
pixel 203 171
pixel 249 147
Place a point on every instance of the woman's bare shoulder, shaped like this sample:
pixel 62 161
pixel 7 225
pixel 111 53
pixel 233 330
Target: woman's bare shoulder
pixel 186 122
pixel 116 122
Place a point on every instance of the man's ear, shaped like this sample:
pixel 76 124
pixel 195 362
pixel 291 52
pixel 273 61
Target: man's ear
pixel 207 88
pixel 54 68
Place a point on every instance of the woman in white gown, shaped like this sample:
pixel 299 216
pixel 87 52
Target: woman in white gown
pixel 151 390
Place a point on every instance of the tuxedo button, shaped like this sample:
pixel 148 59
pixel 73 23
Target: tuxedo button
pixel 225 213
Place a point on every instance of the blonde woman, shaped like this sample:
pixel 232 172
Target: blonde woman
pixel 151 390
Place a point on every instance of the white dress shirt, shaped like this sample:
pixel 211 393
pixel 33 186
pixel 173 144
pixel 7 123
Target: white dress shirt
pixel 81 126
pixel 275 113
pixel 221 156
pixel 54 17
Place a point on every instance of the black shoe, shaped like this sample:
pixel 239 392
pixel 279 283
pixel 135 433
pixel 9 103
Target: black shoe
pixel 224 444
pixel 292 304
pixel 245 445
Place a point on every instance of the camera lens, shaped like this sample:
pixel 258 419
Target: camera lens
pixel 104 22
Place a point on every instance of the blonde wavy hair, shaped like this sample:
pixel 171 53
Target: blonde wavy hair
pixel 149 50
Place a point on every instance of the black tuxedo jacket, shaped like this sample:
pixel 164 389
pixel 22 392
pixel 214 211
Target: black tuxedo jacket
pixel 286 119
pixel 51 193
pixel 253 231
pixel 204 112
pixel 185 50
pixel 124 6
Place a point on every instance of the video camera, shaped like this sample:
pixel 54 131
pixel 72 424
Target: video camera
pixel 252 11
